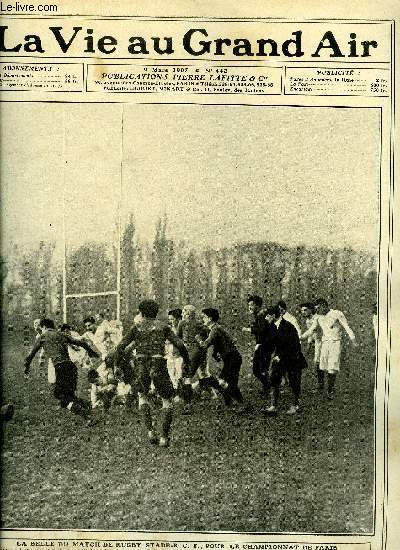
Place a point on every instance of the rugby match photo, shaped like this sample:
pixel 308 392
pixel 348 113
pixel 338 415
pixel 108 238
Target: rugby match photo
pixel 189 317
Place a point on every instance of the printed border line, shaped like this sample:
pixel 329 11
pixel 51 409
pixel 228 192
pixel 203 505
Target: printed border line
pixel 330 95
pixel 377 356
pixel 102 102
pixel 40 90
pixel 389 293
pixel 44 91
pixel 284 20
pixel 177 92
pixel 186 64
pixel 24 63
pixel 203 60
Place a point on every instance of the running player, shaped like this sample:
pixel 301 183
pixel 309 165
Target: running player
pixel 189 329
pixel 174 359
pixel 149 337
pixel 55 345
pixel 260 329
pixel 51 375
pixel 226 350
pixel 332 322
pixel 315 339
pixel 287 359
pixel 288 316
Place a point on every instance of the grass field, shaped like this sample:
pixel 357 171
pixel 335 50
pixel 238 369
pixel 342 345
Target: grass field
pixel 223 472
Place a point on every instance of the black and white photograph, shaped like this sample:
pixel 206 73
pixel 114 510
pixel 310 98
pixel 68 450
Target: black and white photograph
pixel 190 317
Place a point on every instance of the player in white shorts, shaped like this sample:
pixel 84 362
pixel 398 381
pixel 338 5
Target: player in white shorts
pixel 51 373
pixel 104 336
pixel 308 312
pixel 174 359
pixel 332 322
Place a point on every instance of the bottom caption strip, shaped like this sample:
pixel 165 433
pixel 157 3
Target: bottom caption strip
pixel 181 545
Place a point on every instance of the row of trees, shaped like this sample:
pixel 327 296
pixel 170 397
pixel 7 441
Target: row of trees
pixel 174 274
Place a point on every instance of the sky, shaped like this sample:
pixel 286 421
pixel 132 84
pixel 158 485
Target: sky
pixel 221 174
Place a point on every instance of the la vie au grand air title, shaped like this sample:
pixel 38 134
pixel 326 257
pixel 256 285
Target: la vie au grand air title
pixel 195 42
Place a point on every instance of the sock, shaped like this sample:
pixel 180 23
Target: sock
pixel 210 382
pixel 166 421
pixel 237 394
pixel 186 392
pixel 331 381
pixel 321 378
pixel 214 393
pixel 146 416
pixel 227 397
pixel 78 407
pixel 275 396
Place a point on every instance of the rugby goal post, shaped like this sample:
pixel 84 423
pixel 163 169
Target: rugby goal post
pixel 117 292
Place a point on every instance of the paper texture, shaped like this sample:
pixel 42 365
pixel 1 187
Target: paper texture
pixel 200 155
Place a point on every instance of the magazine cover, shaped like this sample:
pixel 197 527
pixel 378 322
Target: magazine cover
pixel 198 264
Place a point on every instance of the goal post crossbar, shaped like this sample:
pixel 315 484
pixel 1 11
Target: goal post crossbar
pixel 91 294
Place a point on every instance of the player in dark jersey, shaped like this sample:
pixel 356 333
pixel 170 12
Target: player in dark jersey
pixel 226 350
pixel 260 329
pixel 149 336
pixel 189 330
pixel 55 345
